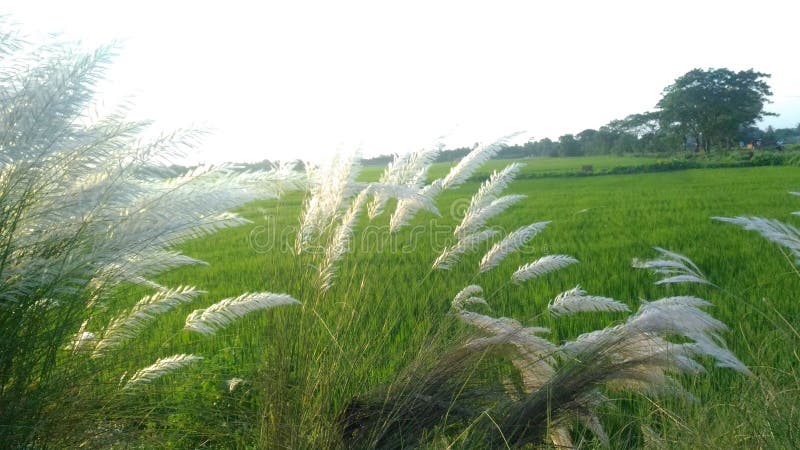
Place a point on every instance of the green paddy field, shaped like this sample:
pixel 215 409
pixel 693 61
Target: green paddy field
pixel 301 364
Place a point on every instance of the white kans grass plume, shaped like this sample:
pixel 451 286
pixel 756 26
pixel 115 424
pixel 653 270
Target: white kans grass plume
pixel 138 269
pixel 234 383
pixel 339 243
pixel 474 220
pixel 783 234
pixel 330 187
pixel 666 317
pixel 634 356
pixel 488 193
pixel 128 325
pixel 534 356
pixel 326 221
pixel 470 295
pixel 576 300
pixel 636 360
pixel 284 177
pixel 407 208
pixel 194 204
pixel 541 266
pixel 457 175
pixel 451 255
pixel 219 315
pixel 408 171
pixel 84 340
pixel 492 187
pixel 132 233
pixel 405 193
pixel 676 317
pixel 124 238
pixel 676 267
pixel 483 206
pixel 474 159
pixel 160 368
pixel 509 328
pixel 680 300
pixel 87 205
pixel 509 244
pixel 338 236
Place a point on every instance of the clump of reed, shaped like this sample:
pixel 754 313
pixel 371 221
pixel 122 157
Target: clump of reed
pixel 557 385
pixel 87 207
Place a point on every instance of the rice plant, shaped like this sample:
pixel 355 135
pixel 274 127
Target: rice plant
pixel 777 388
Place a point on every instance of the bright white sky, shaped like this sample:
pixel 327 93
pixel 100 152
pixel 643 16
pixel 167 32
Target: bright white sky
pixel 297 79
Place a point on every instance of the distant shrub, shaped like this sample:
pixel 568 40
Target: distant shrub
pixel 764 158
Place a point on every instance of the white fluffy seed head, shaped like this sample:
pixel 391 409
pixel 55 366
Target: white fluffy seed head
pixel 470 295
pixel 474 220
pixel 234 383
pixel 576 300
pixel 677 268
pixel 160 368
pixel 541 266
pixel 451 255
pixel 407 171
pixel 330 187
pixel 493 186
pixel 130 323
pixel 219 315
pixel 408 207
pixel 783 234
pixel 467 166
pixel 339 243
pixel 511 243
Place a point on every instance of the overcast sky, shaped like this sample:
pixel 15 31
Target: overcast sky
pixel 298 79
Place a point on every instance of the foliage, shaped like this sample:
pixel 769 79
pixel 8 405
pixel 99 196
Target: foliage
pixel 87 206
pixel 712 105
pixel 382 318
pixel 344 367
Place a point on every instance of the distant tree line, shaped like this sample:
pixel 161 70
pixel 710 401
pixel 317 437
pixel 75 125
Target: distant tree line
pixel 616 138
pixel 637 134
pixel 702 110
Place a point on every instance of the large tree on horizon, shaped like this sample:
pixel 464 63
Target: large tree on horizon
pixel 712 105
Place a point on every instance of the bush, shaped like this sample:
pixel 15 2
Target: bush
pixel 87 207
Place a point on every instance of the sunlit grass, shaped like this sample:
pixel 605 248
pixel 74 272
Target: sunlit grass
pixel 538 166
pixel 303 365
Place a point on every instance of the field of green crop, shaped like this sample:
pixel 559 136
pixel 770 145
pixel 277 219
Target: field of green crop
pixel 540 166
pixel 301 364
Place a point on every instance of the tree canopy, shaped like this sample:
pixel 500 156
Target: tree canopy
pixel 702 109
pixel 713 105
